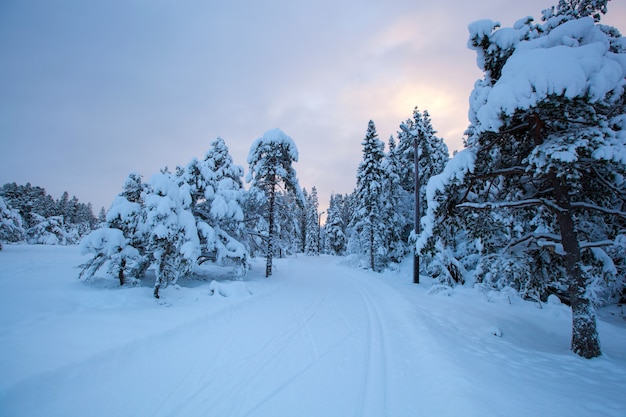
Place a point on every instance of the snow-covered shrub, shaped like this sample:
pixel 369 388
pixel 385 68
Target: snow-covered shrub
pixel 108 246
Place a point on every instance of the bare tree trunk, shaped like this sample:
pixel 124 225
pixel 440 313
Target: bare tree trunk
pixel 585 341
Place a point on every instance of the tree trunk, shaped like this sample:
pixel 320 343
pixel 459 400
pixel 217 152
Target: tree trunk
pixel 372 263
pixel 270 237
pixel 585 341
pixel 120 273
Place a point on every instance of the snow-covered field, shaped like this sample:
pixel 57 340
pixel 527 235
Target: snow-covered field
pixel 319 338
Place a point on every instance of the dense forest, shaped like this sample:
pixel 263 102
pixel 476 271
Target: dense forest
pixel 29 214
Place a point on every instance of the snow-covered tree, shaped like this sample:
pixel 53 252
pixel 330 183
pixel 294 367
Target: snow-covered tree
pixel 395 215
pixel 11 229
pixel 335 227
pixel 287 229
pixel 539 192
pixel 46 230
pixel 271 160
pixel 301 213
pixel 217 193
pixel 312 246
pixel 171 227
pixel 109 247
pixel 367 217
pixel 122 242
pixel 432 158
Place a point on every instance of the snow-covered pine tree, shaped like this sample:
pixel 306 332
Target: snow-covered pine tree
pixel 122 242
pixel 336 240
pixel 302 219
pixel 395 215
pixel 171 227
pixel 11 229
pixel 542 175
pixel 271 161
pixel 287 229
pixel 46 230
pixel 432 158
pixel 312 225
pixel 217 194
pixel 367 217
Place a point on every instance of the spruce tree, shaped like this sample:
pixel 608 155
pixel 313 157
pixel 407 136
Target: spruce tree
pixel 312 226
pixel 335 227
pixel 395 214
pixel 367 217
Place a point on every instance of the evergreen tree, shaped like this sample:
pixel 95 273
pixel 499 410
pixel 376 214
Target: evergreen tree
pixel 395 216
pixel 11 229
pixel 312 226
pixel 46 230
pixel 271 160
pixel 302 216
pixel 335 227
pixel 122 242
pixel 102 216
pixel 367 217
pixel 171 228
pixel 217 193
pixel 432 158
pixel 287 234
pixel 538 194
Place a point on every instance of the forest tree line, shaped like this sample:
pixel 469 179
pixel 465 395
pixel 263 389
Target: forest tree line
pixel 29 214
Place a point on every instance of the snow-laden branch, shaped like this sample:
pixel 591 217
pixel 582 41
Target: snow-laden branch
pixel 518 170
pixel 535 236
pixel 600 243
pixel 598 208
pixel 512 204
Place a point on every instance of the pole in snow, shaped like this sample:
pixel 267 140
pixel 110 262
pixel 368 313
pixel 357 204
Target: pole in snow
pixel 416 219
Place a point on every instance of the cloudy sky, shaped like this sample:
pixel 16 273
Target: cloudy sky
pixel 93 90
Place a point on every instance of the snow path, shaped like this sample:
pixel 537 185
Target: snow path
pixel 316 339
pixel 319 343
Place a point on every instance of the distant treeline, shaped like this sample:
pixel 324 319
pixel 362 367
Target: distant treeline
pixel 29 214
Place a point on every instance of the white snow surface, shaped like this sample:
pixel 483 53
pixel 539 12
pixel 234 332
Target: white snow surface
pixel 318 338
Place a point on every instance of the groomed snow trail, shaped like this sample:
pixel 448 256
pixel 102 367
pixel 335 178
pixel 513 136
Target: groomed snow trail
pixel 325 340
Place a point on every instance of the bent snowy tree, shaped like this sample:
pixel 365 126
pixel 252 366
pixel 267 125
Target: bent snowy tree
pixel 539 196
pixel 271 157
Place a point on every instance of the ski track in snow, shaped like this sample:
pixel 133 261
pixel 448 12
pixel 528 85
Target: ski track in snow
pixel 308 347
pixel 315 339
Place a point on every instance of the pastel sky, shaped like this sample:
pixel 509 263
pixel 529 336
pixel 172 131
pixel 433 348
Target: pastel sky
pixel 93 90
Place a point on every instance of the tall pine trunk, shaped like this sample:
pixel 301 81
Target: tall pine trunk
pixel 270 237
pixel 585 341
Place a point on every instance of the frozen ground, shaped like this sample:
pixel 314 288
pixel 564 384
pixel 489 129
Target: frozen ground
pixel 319 338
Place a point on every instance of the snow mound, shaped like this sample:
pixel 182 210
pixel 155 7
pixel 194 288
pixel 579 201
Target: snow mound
pixel 236 289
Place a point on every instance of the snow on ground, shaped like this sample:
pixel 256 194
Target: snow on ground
pixel 318 338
